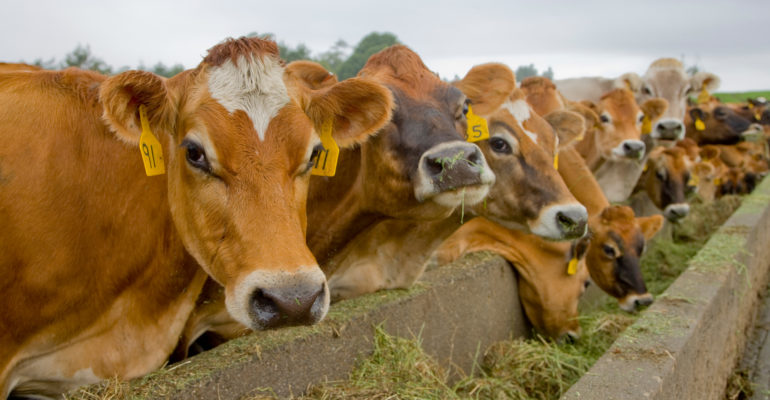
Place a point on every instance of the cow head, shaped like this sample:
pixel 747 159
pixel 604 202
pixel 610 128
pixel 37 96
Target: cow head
pixel 520 151
pixel 419 165
pixel 542 95
pixel 719 125
pixel 617 242
pixel 665 179
pixel 618 135
pixel 237 151
pixel 549 291
pixel 667 79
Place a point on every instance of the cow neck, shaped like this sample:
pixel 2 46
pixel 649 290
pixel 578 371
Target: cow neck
pixel 581 182
pixel 335 208
pixel 588 149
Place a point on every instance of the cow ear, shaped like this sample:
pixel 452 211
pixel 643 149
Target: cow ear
pixel 631 81
pixel 488 86
pixel 121 96
pixel 568 125
pixel 589 115
pixel 703 168
pixel 357 108
pixel 650 225
pixel 705 80
pixel 307 75
pixel 654 108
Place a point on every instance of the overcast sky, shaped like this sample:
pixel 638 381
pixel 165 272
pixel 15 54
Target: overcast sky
pixel 575 38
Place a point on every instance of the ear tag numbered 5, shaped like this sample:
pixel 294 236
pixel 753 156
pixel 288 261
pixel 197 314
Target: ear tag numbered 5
pixel 700 125
pixel 325 162
pixel 477 127
pixel 646 125
pixel 149 146
pixel 572 266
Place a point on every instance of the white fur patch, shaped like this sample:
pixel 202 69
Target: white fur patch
pixel 254 86
pixel 519 109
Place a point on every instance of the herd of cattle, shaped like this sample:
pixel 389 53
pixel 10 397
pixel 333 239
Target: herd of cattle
pixel 142 213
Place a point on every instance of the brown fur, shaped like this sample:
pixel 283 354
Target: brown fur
pixel 114 279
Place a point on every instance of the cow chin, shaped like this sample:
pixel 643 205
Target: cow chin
pixel 268 299
pixel 466 196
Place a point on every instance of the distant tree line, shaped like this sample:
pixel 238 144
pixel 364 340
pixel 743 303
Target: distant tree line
pixel 341 59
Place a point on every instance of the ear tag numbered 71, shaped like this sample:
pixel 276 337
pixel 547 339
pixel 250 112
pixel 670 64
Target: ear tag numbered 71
pixel 477 127
pixel 572 266
pixel 325 162
pixel 149 146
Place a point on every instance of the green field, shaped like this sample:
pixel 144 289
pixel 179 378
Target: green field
pixel 740 97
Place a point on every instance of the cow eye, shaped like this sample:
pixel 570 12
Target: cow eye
pixel 499 145
pixel 605 118
pixel 464 110
pixel 608 250
pixel 196 156
pixel 586 284
pixel 641 119
pixel 646 90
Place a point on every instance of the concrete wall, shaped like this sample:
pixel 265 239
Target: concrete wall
pixel 687 343
pixel 457 311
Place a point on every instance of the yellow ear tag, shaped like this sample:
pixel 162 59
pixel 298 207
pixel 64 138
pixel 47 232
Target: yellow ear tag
pixel 699 125
pixel 556 161
pixel 644 169
pixel 477 127
pixel 751 105
pixel 718 181
pixel 580 137
pixel 757 115
pixel 572 266
pixel 325 162
pixel 149 146
pixel 704 96
pixel 646 125
pixel 693 180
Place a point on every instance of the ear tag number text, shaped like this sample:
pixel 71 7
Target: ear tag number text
pixel 477 127
pixel 149 146
pixel 325 162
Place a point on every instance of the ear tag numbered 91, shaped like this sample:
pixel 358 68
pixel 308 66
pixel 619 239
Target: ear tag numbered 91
pixel 477 127
pixel 646 125
pixel 572 266
pixel 325 162
pixel 149 146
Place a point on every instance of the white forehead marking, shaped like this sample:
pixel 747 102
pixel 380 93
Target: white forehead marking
pixel 520 111
pixel 254 86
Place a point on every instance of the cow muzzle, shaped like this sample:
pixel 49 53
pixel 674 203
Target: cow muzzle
pixel 633 302
pixel 668 129
pixel 452 173
pixel 632 149
pixel 562 222
pixel 269 299
pixel 675 212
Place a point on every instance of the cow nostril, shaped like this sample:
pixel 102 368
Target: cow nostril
pixel 641 302
pixel 565 221
pixel 475 157
pixel 265 309
pixel 434 166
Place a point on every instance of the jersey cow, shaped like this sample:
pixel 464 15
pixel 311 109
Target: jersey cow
pixel 101 264
pixel 418 166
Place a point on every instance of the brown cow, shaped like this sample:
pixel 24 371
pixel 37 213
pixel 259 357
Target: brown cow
pixel 664 184
pixel 101 264
pixel 549 292
pixel 719 124
pixel 417 167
